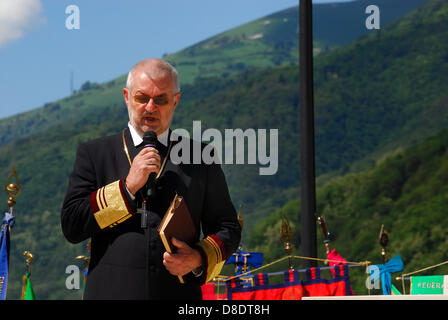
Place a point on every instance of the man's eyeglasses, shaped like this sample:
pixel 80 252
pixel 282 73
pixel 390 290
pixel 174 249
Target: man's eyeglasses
pixel 161 100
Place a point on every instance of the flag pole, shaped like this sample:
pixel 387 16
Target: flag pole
pixel 12 190
pixel 307 165
pixel 27 288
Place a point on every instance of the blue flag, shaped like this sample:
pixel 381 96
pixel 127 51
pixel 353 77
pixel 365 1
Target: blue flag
pixel 244 260
pixel 384 270
pixel 7 224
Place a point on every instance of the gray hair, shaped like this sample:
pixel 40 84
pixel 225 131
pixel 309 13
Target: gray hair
pixel 154 68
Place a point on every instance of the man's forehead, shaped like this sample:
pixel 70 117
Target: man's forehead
pixel 144 80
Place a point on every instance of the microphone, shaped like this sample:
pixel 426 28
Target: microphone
pixel 150 140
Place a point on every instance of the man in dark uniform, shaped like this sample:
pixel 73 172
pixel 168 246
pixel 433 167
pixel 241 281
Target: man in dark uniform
pixel 104 202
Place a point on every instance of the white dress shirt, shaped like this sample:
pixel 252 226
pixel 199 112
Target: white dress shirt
pixel 137 139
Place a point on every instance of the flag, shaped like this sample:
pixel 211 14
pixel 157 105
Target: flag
pixel 384 270
pixel 339 285
pixel 7 224
pixel 395 291
pixel 292 288
pixel 86 272
pixel 437 284
pixel 27 288
pixel 209 292
pixel 334 259
pixel 244 260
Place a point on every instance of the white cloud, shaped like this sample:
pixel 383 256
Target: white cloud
pixel 18 16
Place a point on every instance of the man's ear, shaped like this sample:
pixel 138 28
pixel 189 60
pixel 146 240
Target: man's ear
pixel 126 96
pixel 176 99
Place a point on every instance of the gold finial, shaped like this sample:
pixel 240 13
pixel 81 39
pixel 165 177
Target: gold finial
pixel 12 189
pixel 85 258
pixel 29 257
pixel 383 239
pixel 286 234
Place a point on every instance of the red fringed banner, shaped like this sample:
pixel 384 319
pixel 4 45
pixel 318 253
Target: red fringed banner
pixel 292 288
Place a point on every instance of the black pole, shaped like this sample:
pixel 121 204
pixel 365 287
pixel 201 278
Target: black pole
pixel 307 166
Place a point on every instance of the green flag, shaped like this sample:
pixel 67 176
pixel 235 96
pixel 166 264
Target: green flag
pixel 27 288
pixel 429 285
pixel 395 291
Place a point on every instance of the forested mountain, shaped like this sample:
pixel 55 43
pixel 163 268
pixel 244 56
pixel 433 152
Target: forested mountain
pixel 267 42
pixel 406 192
pixel 385 91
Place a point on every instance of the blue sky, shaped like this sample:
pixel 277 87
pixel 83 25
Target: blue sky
pixel 38 53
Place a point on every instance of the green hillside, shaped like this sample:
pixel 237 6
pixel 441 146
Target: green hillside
pixel 273 40
pixel 407 192
pixel 383 91
pixel 223 55
pixel 366 104
pixel 354 128
pixel 332 28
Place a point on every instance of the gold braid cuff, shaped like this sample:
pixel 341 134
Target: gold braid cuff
pixel 213 253
pixel 109 205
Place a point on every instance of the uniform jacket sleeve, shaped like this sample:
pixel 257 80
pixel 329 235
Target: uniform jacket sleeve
pixel 88 208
